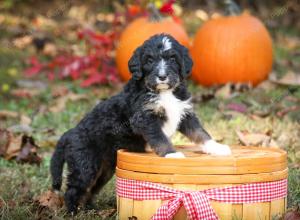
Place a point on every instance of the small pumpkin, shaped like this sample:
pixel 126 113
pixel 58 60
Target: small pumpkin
pixel 140 30
pixel 236 49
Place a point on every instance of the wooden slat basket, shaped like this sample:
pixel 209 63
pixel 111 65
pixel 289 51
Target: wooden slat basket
pixel 200 171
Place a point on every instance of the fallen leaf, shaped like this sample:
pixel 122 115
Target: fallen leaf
pixel 224 92
pixel 32 71
pixel 32 84
pixel 59 90
pixel 256 139
pixel 50 200
pixel 201 14
pixel 50 49
pixel 287 110
pixel 238 107
pixel 25 120
pixel 8 114
pixel 14 146
pixel 4 141
pixel 289 79
pixel 49 141
pixel 105 214
pixel 230 90
pixel 28 153
pixel 292 215
pixel 266 85
pixel 22 42
pixel 21 147
pixel 60 103
pixel 289 42
pixel 202 97
pixel 25 93
pixel 21 128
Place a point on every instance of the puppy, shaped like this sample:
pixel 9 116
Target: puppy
pixel 153 105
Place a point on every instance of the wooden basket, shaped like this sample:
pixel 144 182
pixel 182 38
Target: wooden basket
pixel 200 171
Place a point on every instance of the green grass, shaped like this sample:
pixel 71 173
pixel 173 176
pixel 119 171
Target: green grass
pixel 20 184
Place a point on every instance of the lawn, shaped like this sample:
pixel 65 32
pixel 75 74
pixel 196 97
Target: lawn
pixel 270 112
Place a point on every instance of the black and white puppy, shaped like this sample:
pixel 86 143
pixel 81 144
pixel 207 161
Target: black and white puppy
pixel 154 104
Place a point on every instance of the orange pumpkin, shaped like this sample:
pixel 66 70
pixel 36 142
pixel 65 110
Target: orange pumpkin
pixel 232 49
pixel 140 30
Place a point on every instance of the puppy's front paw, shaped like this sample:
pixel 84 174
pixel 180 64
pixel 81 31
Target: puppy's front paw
pixel 175 155
pixel 215 148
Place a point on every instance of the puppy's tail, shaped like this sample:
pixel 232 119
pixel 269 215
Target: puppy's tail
pixel 57 164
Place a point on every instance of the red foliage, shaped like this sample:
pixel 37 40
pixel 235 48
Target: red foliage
pixel 97 65
pixel 167 7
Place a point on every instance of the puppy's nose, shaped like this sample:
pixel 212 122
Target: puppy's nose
pixel 162 78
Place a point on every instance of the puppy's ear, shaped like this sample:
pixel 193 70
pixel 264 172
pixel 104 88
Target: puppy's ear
pixel 135 66
pixel 187 63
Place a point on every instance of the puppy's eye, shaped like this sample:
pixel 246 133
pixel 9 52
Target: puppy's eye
pixel 150 60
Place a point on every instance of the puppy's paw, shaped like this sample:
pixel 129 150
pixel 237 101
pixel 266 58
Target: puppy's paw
pixel 175 155
pixel 214 148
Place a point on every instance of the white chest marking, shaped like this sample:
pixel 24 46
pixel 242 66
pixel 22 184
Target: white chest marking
pixel 174 108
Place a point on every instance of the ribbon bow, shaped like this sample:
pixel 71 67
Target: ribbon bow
pixel 196 203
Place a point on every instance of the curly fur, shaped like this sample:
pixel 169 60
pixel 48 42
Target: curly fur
pixel 153 105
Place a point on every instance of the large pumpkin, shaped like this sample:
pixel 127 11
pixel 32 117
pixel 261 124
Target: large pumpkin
pixel 140 30
pixel 232 49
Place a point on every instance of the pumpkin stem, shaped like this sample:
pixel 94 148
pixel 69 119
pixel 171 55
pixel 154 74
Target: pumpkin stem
pixel 232 7
pixel 154 13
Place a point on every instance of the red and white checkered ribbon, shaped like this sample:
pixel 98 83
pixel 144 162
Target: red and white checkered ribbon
pixel 197 203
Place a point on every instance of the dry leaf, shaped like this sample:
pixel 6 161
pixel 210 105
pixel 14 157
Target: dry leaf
pixel 22 42
pixel 4 141
pixel 224 92
pixel 31 84
pixel 50 200
pixel 60 103
pixel 21 147
pixel 288 110
pixel 49 141
pixel 292 215
pixel 266 85
pixel 59 90
pixel 8 114
pixel 21 128
pixel 50 49
pixel 25 93
pixel 14 146
pixel 107 213
pixel 289 42
pixel 28 152
pixel 289 79
pixel 25 120
pixel 238 107
pixel 256 139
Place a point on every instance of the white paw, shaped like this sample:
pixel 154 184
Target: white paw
pixel 175 155
pixel 215 148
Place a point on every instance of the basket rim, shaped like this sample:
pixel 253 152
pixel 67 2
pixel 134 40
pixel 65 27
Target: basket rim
pixel 203 179
pixel 259 160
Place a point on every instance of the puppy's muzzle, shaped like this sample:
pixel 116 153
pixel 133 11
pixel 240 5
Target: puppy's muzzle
pixel 162 82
